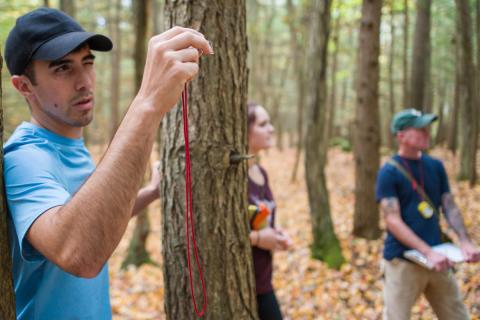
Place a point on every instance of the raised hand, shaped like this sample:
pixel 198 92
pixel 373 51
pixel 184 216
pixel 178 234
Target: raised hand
pixel 172 60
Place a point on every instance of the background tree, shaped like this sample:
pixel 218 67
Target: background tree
pixel 406 31
pixel 137 251
pixel 420 56
pixel 367 133
pixel 325 244
pixel 7 301
pixel 116 35
pixel 297 49
pixel 217 119
pixel 468 96
pixel 68 6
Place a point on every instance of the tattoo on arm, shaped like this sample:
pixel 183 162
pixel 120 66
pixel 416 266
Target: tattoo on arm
pixel 454 217
pixel 390 206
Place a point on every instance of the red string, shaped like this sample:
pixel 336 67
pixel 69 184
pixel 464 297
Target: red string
pixel 189 210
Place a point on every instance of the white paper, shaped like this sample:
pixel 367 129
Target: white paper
pixel 451 251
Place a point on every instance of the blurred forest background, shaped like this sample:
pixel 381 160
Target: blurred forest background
pixel 331 74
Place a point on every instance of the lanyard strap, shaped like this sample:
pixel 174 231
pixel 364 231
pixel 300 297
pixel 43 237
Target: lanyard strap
pixel 189 210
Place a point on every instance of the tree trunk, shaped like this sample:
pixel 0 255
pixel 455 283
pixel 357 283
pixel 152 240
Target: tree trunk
pixel 406 32
pixel 217 119
pixel 137 252
pixel 333 86
pixel 468 145
pixel 453 126
pixel 325 244
pixel 420 59
pixel 68 6
pixel 367 136
pixel 7 301
pixel 46 3
pixel 115 67
pixel 297 50
pixel 391 83
pixel 441 128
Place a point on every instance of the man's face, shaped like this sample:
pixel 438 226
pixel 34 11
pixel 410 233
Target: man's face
pixel 64 91
pixel 417 138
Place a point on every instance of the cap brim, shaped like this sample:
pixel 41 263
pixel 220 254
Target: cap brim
pixel 60 46
pixel 425 120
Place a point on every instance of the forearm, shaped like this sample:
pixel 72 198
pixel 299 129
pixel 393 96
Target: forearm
pixel 406 236
pixel 454 217
pixel 89 227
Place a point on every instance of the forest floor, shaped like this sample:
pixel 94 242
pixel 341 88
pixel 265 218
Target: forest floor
pixel 306 288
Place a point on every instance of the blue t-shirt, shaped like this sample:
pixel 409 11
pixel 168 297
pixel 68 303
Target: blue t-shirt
pixel 392 183
pixel 43 170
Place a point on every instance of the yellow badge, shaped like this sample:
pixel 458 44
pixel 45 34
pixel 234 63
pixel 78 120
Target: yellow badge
pixel 425 209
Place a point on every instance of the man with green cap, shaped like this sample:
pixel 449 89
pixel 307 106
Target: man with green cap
pixel 411 188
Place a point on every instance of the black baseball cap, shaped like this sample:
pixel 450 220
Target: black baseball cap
pixel 47 34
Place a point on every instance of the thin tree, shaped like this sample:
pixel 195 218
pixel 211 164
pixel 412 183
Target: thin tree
pixel 137 253
pixel 7 301
pixel 391 83
pixel 297 49
pixel 68 6
pixel 468 95
pixel 453 125
pixel 325 244
pixel 406 32
pixel 116 34
pixel 217 126
pixel 367 132
pixel 332 101
pixel 420 55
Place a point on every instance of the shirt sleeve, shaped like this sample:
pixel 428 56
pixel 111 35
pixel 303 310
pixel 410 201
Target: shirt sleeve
pixel 385 185
pixel 32 185
pixel 444 185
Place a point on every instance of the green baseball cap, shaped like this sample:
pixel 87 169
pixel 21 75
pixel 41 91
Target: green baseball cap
pixel 411 118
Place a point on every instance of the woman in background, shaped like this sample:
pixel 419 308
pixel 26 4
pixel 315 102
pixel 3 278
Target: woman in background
pixel 265 238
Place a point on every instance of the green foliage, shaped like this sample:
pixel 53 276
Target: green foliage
pixel 341 142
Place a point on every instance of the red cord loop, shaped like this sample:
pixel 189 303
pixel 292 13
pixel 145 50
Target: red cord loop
pixel 189 210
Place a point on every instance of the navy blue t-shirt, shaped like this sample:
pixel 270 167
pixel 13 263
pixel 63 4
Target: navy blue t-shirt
pixel 392 183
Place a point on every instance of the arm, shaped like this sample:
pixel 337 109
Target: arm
pixel 455 220
pixel 81 235
pixel 391 210
pixel 149 193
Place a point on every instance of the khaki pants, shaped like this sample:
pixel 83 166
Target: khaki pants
pixel 404 283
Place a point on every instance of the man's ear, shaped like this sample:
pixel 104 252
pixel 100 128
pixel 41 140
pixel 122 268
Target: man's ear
pixel 23 85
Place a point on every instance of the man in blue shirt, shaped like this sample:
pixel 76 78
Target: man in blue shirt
pixel 66 217
pixel 412 223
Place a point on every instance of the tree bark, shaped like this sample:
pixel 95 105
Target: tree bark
pixel 468 145
pixel 325 244
pixel 367 136
pixel 420 59
pixel 217 126
pixel 7 301
pixel 137 252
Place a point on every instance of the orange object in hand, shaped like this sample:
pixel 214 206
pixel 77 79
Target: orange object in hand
pixel 258 216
